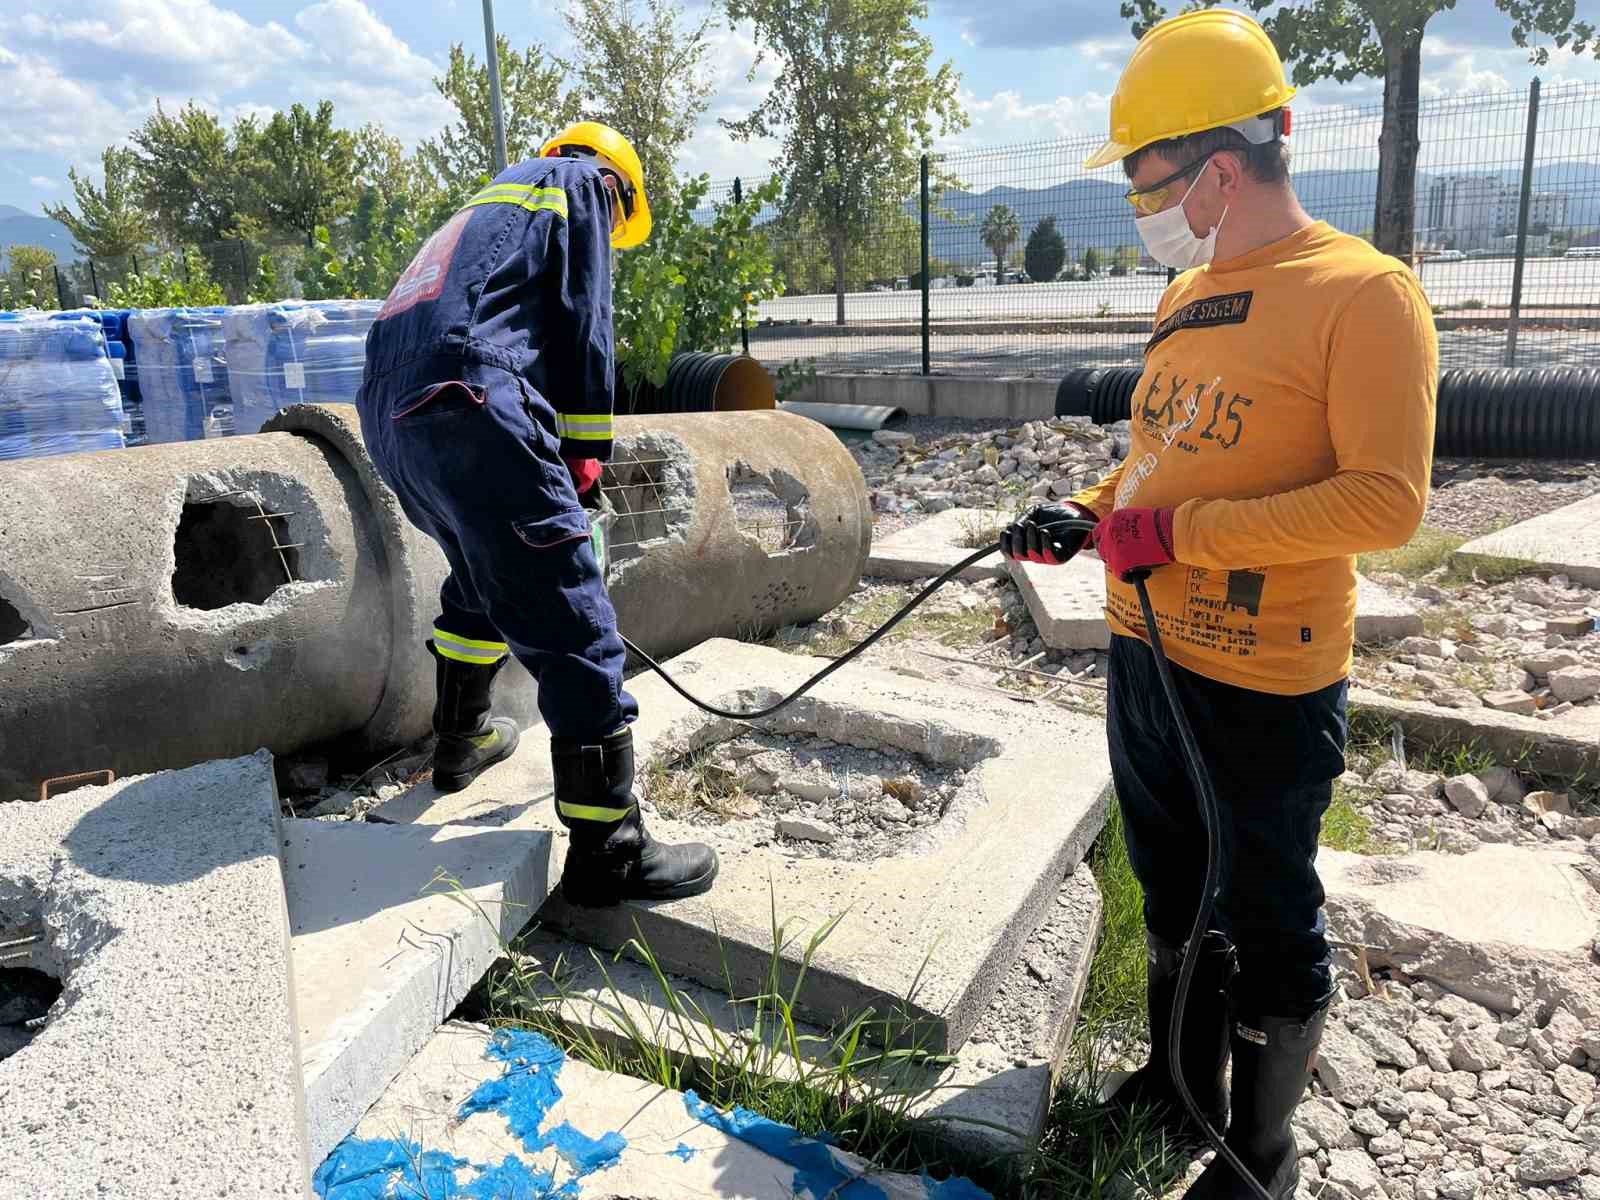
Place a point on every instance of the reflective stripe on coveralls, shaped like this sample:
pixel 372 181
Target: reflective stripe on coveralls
pixel 468 650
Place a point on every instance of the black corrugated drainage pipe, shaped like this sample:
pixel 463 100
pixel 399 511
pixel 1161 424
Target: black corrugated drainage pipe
pixel 1484 412
pixel 699 382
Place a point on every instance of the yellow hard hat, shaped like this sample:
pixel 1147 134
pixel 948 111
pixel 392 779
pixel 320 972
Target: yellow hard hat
pixel 615 152
pixel 1201 70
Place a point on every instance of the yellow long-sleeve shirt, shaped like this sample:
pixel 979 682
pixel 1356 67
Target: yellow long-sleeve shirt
pixel 1286 412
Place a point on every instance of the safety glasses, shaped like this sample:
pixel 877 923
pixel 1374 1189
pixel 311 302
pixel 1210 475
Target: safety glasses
pixel 1151 200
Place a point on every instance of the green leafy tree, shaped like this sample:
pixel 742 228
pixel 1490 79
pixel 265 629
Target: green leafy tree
pixel 889 248
pixel 855 104
pixel 195 178
pixel 265 288
pixel 1000 232
pixel 177 280
pixel 1343 39
pixel 305 170
pixel 1045 253
pixel 643 70
pixel 688 287
pixel 31 277
pixel 109 222
pixel 534 102
pixel 324 272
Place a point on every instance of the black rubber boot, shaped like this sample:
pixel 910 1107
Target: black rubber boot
pixel 470 739
pixel 612 857
pixel 1272 1062
pixel 1205 1040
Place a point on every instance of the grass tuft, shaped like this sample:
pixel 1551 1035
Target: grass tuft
pixel 1346 827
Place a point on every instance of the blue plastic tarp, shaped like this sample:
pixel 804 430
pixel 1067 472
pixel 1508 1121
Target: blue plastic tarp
pixel 58 393
pixel 298 352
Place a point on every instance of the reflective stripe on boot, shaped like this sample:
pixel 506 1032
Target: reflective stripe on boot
pixel 470 739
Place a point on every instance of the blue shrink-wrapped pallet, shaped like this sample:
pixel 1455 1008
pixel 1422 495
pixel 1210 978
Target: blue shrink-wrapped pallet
pixel 183 373
pixel 57 390
pixel 119 348
pixel 295 352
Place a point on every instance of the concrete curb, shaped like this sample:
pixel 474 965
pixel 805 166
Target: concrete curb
pixel 1564 747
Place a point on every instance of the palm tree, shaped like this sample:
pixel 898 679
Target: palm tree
pixel 1000 232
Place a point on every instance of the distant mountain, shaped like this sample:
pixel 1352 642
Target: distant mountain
pixel 19 227
pixel 1092 212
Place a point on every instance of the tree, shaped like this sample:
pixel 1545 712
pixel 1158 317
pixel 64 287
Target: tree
pixel 178 280
pixel 194 177
pixel 1045 253
pixel 109 223
pixel 688 287
pixel 855 105
pixel 644 73
pixel 31 277
pixel 305 170
pixel 462 155
pixel 1341 39
pixel 999 232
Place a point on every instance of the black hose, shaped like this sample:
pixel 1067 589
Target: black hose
pixel 1191 754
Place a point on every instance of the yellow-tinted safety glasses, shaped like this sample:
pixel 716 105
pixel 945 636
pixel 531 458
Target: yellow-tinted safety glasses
pixel 1151 200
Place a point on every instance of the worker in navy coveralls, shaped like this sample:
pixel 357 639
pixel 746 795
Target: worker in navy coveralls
pixel 486 406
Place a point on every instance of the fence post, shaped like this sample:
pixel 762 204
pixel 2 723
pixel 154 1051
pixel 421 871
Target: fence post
pixel 744 308
pixel 61 291
pixel 1522 222
pixel 925 269
pixel 134 260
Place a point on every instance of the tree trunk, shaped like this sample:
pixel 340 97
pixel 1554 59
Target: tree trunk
pixel 1393 223
pixel 836 246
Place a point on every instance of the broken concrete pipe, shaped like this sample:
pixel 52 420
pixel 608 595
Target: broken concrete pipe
pixel 177 603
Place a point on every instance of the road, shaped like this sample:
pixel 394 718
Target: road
pixel 1546 281
pixel 1051 355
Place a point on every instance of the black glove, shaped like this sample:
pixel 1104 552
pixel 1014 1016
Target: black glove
pixel 1040 537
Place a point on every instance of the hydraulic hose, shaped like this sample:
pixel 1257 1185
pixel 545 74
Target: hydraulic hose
pixel 1197 774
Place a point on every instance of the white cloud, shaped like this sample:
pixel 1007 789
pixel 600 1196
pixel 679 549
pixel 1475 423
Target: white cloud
pixel 45 110
pixel 44 182
pixel 348 35
pixel 1005 118
pixel 155 44
pixel 712 149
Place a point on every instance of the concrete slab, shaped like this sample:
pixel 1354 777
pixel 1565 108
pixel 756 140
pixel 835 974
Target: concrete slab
pixel 965 900
pixel 506 1113
pixel 1496 925
pixel 1536 899
pixel 169 1064
pixel 1566 745
pixel 1565 541
pixel 930 547
pixel 991 1100
pixel 1068 602
pixel 393 925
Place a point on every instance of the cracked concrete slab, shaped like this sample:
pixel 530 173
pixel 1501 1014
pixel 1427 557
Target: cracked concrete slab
pixel 1563 541
pixel 506 1113
pixel 933 546
pixel 169 1063
pixel 1067 603
pixel 1494 925
pixel 992 1099
pixel 393 926
pixel 948 921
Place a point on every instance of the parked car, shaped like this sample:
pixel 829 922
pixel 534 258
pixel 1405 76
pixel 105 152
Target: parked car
pixel 1449 256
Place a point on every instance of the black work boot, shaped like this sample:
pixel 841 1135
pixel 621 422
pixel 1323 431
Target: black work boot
pixel 1272 1062
pixel 612 858
pixel 470 739
pixel 1205 1040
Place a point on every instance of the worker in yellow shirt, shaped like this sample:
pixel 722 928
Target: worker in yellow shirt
pixel 1282 425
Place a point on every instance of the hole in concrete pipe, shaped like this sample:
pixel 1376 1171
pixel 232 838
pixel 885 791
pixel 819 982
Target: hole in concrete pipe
pixel 26 995
pixel 771 510
pixel 228 553
pixel 13 626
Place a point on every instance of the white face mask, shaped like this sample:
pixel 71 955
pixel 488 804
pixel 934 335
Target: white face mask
pixel 1169 239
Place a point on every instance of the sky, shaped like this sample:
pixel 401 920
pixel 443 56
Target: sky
pixel 76 77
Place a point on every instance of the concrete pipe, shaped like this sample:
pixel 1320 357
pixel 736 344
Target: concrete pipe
pixel 171 604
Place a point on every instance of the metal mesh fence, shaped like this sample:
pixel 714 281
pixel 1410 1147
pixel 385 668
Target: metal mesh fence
pixel 1035 265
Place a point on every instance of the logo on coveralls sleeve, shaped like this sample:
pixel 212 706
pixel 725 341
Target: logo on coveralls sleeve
pixel 424 278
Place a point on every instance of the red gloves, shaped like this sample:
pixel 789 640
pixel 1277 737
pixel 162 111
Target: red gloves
pixel 1045 535
pixel 585 472
pixel 1134 539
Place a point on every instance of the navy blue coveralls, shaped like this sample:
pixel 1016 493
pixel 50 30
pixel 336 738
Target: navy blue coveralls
pixel 491 361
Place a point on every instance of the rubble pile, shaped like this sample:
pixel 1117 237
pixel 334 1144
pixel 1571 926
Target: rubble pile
pixel 1525 646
